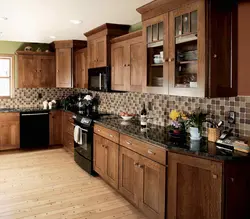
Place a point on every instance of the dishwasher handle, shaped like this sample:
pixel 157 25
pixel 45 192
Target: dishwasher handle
pixel 34 114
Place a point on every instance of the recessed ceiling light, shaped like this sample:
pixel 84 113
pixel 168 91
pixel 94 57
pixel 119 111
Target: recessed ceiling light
pixel 3 18
pixel 52 37
pixel 76 21
pixel 1 34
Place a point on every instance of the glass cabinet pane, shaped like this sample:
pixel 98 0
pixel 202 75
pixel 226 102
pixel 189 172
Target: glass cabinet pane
pixel 194 21
pixel 185 23
pixel 155 32
pixel 178 26
pixel 161 32
pixel 149 34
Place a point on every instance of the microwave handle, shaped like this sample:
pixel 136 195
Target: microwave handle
pixel 100 81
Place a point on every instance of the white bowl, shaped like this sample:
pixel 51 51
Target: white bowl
pixel 126 118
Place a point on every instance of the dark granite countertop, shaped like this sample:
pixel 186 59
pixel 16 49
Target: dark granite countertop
pixel 13 110
pixel 159 136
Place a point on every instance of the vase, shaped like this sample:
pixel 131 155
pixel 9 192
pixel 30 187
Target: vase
pixel 194 133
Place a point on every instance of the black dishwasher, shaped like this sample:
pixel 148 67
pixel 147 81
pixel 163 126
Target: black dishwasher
pixel 34 129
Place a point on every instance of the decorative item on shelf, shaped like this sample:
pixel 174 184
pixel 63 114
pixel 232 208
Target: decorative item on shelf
pixel 158 59
pixel 194 123
pixel 52 104
pixel 28 49
pixel 38 49
pixel 177 127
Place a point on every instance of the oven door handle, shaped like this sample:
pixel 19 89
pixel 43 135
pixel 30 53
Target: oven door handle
pixel 100 81
pixel 85 130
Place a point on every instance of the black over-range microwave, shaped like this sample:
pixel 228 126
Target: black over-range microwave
pixel 99 79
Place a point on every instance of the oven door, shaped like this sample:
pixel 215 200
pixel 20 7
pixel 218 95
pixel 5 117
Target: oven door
pixel 84 147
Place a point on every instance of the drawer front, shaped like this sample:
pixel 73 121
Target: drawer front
pixel 69 128
pixel 68 141
pixel 107 133
pixel 148 150
pixel 9 117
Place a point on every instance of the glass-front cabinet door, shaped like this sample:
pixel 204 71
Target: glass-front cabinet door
pixel 187 50
pixel 156 71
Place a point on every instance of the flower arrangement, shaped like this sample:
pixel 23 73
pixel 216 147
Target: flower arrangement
pixel 178 120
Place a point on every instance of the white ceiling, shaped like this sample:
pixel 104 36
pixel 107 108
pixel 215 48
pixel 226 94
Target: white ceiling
pixel 36 20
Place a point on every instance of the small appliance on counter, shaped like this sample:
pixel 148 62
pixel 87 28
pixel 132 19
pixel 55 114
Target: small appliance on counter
pixel 99 79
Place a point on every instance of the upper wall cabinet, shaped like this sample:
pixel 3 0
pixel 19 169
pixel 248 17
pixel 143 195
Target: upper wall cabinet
pixel 99 43
pixel 81 69
pixel 36 69
pixel 65 61
pixel 127 62
pixel 183 54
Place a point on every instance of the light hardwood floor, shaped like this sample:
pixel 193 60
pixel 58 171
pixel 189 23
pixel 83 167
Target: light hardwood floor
pixel 49 184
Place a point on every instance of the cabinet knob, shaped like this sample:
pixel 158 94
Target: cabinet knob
pixel 215 176
pixel 232 179
pixel 98 130
pixel 141 166
pixel 136 164
pixel 150 152
pixel 171 59
pixel 111 136
pixel 166 60
pixel 124 65
pixel 128 142
pixel 102 145
pixel 128 64
pixel 215 56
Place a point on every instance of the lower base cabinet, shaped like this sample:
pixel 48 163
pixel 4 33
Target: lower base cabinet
pixel 106 155
pixel 9 131
pixel 143 182
pixel 56 130
pixel 68 131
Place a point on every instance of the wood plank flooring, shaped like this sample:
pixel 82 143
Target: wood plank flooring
pixel 49 184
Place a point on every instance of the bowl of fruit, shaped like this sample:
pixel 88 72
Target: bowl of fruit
pixel 126 116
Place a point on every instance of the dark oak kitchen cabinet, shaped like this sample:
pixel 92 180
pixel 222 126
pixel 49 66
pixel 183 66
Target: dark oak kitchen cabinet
pixel 203 188
pixel 9 131
pixel 68 131
pixel 99 43
pixel 65 68
pixel 81 69
pixel 36 69
pixel 183 54
pixel 127 63
pixel 56 127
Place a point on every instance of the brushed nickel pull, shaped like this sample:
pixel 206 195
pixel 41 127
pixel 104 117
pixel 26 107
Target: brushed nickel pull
pixel 171 59
pixel 141 166
pixel 166 60
pixel 215 56
pixel 128 142
pixel 136 164
pixel 98 130
pixel 111 136
pixel 150 152
pixel 215 176
pixel 232 179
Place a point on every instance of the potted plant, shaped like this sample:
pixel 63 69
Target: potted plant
pixel 194 123
pixel 177 128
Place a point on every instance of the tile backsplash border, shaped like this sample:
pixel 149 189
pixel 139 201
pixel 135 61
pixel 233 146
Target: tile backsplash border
pixel 131 102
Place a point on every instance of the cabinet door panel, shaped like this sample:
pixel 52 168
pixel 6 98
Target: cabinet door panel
pixel 111 163
pixel 187 50
pixel 27 71
pixel 101 51
pixel 64 68
pixel 194 187
pixel 152 201
pixel 81 71
pixel 46 68
pixel 91 54
pixel 136 65
pixel 99 155
pixel 56 127
pixel 118 67
pixel 128 173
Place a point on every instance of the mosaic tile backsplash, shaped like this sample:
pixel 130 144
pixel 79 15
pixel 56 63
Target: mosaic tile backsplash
pixel 217 108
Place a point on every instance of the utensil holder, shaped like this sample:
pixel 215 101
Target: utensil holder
pixel 213 134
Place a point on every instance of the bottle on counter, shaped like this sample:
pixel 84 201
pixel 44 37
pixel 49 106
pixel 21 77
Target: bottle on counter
pixel 143 117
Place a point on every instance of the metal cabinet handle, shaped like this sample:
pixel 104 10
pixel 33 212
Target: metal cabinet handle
pixel 128 64
pixel 232 179
pixel 166 60
pixel 128 142
pixel 215 176
pixel 141 166
pixel 150 152
pixel 136 164
pixel 215 56
pixel 111 136
pixel 98 130
pixel 124 65
pixel 171 59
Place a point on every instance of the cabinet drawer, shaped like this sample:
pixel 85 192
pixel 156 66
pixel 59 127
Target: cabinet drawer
pixel 107 133
pixel 68 141
pixel 153 152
